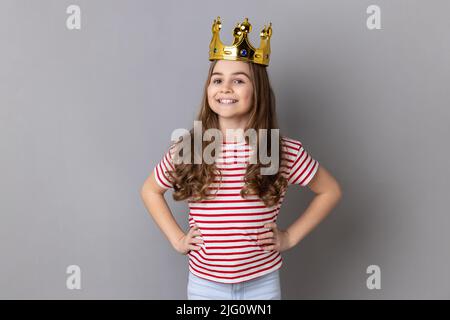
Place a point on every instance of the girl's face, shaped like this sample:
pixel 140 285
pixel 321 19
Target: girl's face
pixel 231 80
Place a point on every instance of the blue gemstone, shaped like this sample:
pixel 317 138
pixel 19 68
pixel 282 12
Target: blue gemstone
pixel 243 52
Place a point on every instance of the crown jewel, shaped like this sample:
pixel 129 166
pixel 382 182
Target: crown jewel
pixel 241 49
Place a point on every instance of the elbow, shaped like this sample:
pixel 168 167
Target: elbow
pixel 339 192
pixel 143 191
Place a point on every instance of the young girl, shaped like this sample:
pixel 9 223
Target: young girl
pixel 234 243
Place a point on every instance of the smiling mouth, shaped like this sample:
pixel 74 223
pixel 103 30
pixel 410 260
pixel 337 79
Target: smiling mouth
pixel 226 101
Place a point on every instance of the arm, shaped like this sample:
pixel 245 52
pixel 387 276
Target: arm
pixel 153 196
pixel 328 194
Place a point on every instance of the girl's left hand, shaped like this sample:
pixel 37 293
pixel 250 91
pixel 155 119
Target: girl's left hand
pixel 275 239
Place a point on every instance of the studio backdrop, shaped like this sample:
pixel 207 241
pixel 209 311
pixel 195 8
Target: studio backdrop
pixel 90 92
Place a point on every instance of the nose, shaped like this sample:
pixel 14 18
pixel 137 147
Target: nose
pixel 225 87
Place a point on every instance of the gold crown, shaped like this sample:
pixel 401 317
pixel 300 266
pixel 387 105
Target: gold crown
pixel 241 49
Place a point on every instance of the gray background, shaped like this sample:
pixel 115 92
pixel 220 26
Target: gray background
pixel 86 114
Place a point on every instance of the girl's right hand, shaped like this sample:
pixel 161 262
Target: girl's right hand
pixel 188 241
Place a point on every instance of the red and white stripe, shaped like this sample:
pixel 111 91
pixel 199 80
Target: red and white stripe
pixel 230 224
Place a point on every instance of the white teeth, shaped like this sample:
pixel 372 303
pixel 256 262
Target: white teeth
pixel 227 101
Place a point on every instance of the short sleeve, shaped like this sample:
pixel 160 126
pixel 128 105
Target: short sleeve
pixel 304 166
pixel 162 170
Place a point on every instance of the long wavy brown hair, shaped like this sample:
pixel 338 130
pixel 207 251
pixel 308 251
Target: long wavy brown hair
pixel 192 181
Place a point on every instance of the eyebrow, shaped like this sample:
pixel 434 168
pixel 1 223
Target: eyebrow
pixel 235 73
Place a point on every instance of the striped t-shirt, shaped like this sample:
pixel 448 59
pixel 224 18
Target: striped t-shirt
pixel 228 223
